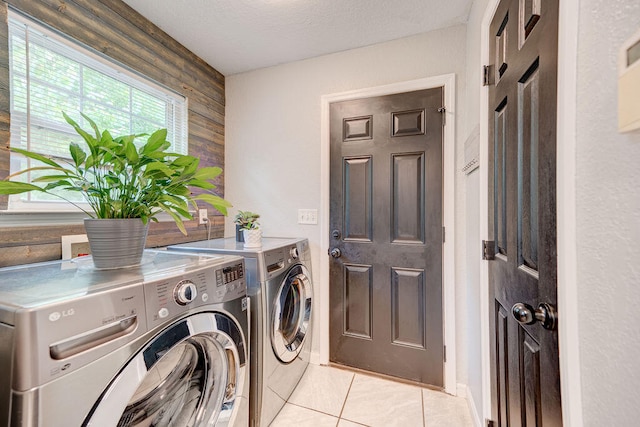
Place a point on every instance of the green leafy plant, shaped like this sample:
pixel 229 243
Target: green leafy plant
pixel 247 220
pixel 119 180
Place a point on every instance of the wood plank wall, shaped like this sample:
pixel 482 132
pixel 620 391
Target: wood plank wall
pixel 116 30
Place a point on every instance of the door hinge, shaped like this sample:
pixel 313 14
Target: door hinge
pixel 443 234
pixel 488 250
pixel 443 110
pixel 485 75
pixel 489 423
pixel 444 353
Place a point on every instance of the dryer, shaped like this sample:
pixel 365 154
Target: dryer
pixel 164 343
pixel 280 289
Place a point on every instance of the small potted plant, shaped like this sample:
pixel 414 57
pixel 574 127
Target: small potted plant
pixel 125 185
pixel 248 229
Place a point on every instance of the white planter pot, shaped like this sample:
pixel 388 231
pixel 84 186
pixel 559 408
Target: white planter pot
pixel 252 238
pixel 116 243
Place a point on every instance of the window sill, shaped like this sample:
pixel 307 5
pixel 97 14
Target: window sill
pixel 31 219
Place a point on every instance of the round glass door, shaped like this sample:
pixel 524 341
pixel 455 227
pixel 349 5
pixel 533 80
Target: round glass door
pixel 186 376
pixel 182 388
pixel 291 314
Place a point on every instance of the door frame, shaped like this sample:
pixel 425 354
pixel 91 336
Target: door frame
pixel 447 81
pixel 570 382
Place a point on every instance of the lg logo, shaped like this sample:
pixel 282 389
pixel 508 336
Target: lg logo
pixel 56 315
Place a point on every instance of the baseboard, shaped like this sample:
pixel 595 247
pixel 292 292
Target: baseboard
pixel 463 391
pixel 314 358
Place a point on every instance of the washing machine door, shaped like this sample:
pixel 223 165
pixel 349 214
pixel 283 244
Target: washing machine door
pixel 291 313
pixel 186 376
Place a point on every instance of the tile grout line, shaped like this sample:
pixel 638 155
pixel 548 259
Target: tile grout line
pixel 346 397
pixel 424 416
pixel 312 410
pixel 326 413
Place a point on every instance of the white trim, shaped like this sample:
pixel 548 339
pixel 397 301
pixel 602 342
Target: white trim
pixel 463 391
pixel 570 382
pixel 35 218
pixel 568 331
pixel 485 340
pixel 448 278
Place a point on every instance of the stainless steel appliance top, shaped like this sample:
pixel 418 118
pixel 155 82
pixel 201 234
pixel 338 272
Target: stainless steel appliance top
pixel 34 285
pixel 230 246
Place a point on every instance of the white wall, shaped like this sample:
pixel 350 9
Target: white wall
pixel 272 151
pixel 607 221
pixel 273 118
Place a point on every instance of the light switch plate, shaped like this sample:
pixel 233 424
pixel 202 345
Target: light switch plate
pixel 308 216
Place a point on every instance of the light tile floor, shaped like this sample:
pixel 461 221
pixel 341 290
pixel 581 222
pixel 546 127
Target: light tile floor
pixel 332 397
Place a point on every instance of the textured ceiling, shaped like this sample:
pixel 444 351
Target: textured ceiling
pixel 241 35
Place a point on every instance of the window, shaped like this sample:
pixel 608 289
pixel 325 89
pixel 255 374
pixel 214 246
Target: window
pixel 50 74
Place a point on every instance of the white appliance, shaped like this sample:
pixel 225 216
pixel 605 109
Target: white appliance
pixel 164 343
pixel 281 292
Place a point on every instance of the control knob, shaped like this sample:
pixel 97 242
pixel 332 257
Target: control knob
pixel 293 252
pixel 185 292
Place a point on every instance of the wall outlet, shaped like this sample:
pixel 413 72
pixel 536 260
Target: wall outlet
pixel 308 216
pixel 202 216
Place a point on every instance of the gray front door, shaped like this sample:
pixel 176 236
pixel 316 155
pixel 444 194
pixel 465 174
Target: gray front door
pixel 386 235
pixel 525 384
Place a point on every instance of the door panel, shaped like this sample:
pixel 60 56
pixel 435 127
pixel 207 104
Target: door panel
pixel 358 191
pixel 500 182
pixel 408 198
pixel 502 364
pixel 358 293
pixel 408 307
pixel 525 384
pixel 531 388
pixel 528 169
pixel 386 221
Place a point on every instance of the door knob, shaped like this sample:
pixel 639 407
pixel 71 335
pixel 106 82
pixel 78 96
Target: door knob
pixel 527 315
pixel 335 252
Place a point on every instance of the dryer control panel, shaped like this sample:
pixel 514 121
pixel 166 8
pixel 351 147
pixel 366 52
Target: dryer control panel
pixel 275 261
pixel 173 296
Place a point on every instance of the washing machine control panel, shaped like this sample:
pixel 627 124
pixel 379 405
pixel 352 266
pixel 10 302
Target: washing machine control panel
pixel 293 252
pixel 185 292
pixel 170 297
pixel 229 274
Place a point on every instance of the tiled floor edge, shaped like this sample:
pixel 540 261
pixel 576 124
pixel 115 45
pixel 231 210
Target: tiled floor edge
pixel 384 377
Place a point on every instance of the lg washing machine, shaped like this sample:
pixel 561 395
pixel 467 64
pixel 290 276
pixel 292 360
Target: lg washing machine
pixel 281 291
pixel 161 344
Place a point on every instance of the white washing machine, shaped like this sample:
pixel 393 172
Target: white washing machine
pixel 281 291
pixel 162 344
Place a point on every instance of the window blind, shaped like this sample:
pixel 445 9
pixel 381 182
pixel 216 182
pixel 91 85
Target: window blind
pixel 50 73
